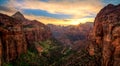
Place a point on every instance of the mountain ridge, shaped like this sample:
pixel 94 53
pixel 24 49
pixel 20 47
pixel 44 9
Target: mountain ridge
pixel 73 35
pixel 17 35
pixel 18 15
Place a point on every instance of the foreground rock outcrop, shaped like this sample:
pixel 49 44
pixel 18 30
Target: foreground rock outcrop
pixel 17 34
pixel 105 37
pixel 12 38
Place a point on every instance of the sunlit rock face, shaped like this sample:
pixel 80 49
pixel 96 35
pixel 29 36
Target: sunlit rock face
pixel 12 39
pixel 106 36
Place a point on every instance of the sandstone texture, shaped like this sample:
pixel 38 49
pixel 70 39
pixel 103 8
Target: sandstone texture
pixel 18 34
pixel 34 30
pixel 12 38
pixel 105 36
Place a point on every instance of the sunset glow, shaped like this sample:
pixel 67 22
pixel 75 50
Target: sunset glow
pixel 58 12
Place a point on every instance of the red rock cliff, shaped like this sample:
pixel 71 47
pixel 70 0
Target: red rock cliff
pixel 106 36
pixel 34 30
pixel 17 34
pixel 12 39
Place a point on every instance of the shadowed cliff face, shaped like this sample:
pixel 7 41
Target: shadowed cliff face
pixel 34 30
pixel 19 16
pixel 106 36
pixel 18 34
pixel 12 39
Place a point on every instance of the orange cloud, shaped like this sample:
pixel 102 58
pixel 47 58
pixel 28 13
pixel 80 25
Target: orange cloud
pixel 77 8
pixel 48 20
pixel 65 22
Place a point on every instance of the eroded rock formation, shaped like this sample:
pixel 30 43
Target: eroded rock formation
pixel 12 39
pixel 17 34
pixel 106 36
pixel 34 30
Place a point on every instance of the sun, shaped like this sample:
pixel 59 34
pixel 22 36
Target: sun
pixel 75 22
pixel 65 22
pixel 82 20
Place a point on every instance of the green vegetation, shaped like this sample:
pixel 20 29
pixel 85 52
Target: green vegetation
pixel 79 58
pixel 7 64
pixel 28 26
pixel 53 54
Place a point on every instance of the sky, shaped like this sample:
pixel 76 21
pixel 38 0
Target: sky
pixel 58 12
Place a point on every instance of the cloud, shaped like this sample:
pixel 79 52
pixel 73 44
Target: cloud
pixel 79 9
pixel 8 8
pixel 76 8
pixel 3 8
pixel 49 20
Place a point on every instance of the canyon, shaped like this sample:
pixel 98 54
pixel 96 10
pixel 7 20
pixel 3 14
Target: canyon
pixel 74 36
pixel 85 44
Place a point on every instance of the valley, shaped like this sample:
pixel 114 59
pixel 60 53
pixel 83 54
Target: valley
pixel 29 40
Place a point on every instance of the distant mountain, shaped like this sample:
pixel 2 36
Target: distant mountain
pixel 71 35
pixel 34 30
pixel 18 16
